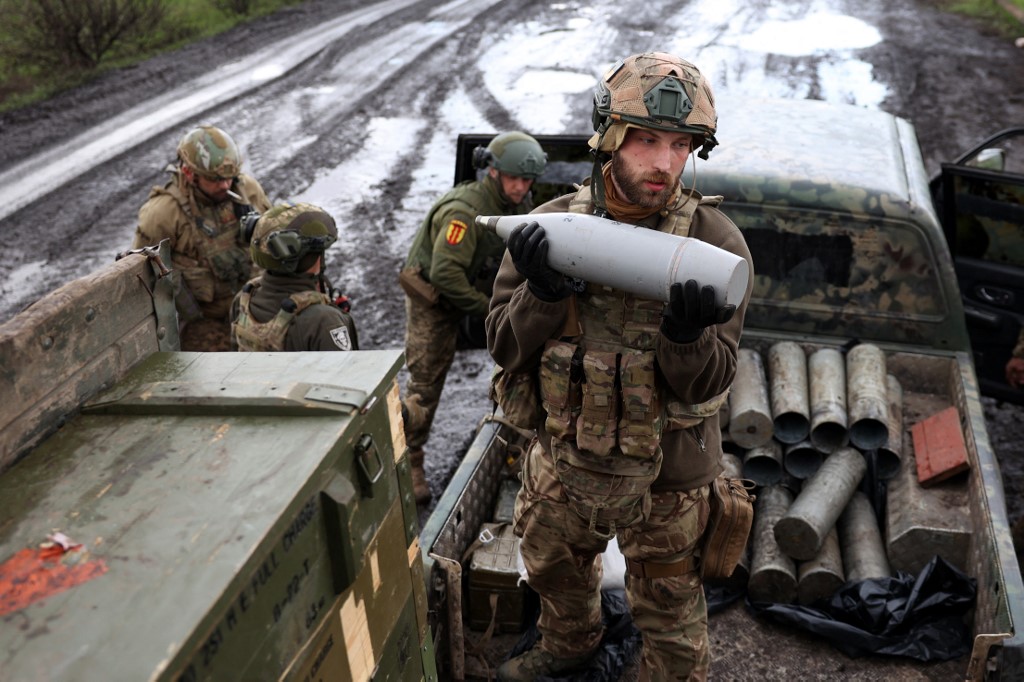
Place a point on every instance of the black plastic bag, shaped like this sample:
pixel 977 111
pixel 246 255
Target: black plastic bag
pixel 619 646
pixel 922 617
pixel 622 640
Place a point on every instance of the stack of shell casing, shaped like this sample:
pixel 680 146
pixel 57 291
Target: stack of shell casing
pixel 817 430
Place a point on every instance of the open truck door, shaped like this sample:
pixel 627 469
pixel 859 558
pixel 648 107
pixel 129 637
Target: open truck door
pixel 980 201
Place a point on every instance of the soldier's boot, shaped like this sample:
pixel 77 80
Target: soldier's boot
pixel 420 489
pixel 537 663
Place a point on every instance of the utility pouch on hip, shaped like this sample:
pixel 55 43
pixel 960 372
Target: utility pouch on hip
pixel 559 388
pixel 729 521
pixel 417 287
pixel 599 414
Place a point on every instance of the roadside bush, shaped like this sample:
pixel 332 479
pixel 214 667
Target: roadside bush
pixel 73 34
pixel 237 7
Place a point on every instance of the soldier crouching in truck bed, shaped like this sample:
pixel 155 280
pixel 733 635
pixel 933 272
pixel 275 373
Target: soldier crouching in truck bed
pixel 288 308
pixel 199 210
pixel 630 388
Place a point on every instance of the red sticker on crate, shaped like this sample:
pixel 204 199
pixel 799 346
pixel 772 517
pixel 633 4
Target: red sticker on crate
pixel 35 574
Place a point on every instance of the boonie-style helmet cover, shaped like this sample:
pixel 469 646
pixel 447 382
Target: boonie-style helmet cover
pixel 211 153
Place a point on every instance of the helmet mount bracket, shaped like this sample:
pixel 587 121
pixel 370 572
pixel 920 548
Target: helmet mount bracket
pixel 668 101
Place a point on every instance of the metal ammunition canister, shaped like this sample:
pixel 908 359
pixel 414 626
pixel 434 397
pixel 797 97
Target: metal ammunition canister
pixel 787 372
pixel 860 539
pixel 763 464
pixel 801 532
pixel 890 454
pixel 732 464
pixel 750 421
pixel 820 577
pixel 866 402
pixel 826 377
pixel 802 459
pixel 772 572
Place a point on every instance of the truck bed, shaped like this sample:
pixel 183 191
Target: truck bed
pixel 744 647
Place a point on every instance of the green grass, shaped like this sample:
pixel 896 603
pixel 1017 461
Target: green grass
pixel 186 21
pixel 191 20
pixel 991 13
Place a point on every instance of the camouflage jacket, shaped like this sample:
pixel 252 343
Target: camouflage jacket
pixel 458 258
pixel 205 242
pixel 322 326
pixel 519 325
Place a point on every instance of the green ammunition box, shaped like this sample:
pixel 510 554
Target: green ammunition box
pixel 495 593
pixel 220 516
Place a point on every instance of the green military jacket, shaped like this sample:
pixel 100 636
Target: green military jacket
pixel 456 256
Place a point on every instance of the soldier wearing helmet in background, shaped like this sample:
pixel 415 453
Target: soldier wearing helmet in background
pixel 449 273
pixel 629 439
pixel 200 210
pixel 286 308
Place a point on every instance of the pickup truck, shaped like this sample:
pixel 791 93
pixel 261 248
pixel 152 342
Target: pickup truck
pixel 187 516
pixel 849 246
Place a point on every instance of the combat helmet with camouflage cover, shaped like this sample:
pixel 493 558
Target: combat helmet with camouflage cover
pixel 513 153
pixel 289 237
pixel 210 152
pixel 654 90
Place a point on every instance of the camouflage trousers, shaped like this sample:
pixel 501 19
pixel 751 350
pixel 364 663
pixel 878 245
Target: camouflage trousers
pixel 562 558
pixel 430 337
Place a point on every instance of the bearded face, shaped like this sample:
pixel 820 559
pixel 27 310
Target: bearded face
pixel 647 188
pixel 648 165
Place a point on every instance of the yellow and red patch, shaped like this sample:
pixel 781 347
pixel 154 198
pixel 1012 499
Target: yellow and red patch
pixel 455 232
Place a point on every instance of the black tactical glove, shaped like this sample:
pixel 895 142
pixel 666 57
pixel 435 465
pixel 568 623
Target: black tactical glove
pixel 529 250
pixel 690 309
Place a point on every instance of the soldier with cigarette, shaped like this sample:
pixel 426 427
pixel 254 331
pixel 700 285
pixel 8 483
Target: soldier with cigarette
pixel 629 388
pixel 203 209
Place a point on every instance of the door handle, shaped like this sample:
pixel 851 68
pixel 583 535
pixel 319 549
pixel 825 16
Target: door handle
pixel 996 296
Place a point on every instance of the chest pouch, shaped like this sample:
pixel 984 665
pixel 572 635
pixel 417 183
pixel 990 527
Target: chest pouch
pixel 642 421
pixel 599 413
pixel 561 373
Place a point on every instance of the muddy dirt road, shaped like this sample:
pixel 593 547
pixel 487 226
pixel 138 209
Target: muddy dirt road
pixel 366 126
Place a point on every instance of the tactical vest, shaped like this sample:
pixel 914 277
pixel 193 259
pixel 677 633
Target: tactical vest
pixel 601 392
pixel 218 243
pixel 250 335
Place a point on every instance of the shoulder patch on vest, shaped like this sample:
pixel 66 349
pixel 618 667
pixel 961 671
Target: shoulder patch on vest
pixel 341 338
pixel 455 232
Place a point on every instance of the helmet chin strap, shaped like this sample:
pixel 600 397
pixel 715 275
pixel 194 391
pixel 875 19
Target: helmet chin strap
pixel 597 190
pixel 693 182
